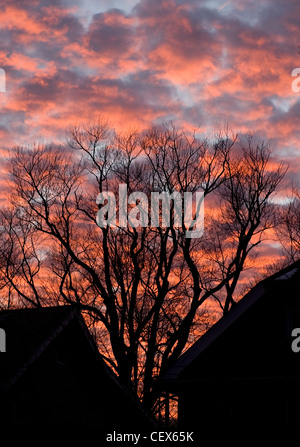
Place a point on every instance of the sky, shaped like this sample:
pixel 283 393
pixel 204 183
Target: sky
pixel 199 63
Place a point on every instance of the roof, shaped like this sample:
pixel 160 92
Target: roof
pixel 30 331
pixel 36 328
pixel 227 320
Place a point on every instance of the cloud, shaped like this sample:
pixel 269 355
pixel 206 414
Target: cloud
pixel 192 61
pixel 201 64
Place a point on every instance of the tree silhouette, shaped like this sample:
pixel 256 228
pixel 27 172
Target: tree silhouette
pixel 145 291
pixel 288 226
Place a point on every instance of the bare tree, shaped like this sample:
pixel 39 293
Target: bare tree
pixel 288 225
pixel 245 213
pixel 144 289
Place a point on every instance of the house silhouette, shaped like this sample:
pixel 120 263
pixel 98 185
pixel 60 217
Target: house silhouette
pixel 243 373
pixel 53 379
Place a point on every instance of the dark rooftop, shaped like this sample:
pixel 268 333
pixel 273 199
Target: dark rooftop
pixel 290 273
pixel 36 328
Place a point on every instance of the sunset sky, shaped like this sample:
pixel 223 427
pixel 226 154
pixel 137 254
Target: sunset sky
pixel 202 64
pixel 199 63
